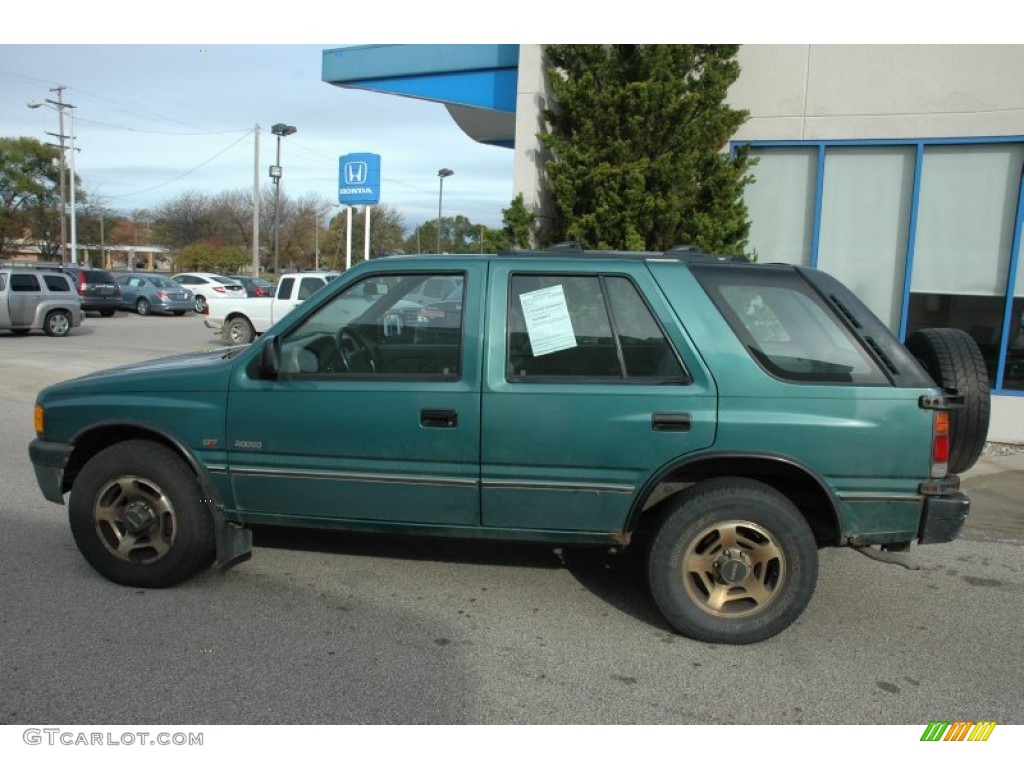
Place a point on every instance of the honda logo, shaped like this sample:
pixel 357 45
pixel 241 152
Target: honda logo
pixel 355 173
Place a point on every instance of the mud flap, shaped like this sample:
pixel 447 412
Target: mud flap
pixel 234 542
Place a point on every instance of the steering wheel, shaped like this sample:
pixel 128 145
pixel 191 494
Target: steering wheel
pixel 353 348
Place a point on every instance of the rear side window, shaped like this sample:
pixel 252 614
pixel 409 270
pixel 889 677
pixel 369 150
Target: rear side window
pixel 787 328
pixel 57 283
pixel 284 290
pixel 309 286
pixel 595 327
pixel 24 283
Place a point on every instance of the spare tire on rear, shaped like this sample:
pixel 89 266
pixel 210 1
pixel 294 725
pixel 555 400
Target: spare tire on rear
pixel 953 360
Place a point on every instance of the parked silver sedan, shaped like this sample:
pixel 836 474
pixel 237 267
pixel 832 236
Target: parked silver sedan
pixel 148 294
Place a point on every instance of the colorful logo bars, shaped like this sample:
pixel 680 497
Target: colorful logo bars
pixel 958 730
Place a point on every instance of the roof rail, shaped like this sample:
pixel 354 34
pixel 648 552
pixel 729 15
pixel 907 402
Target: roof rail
pixel 568 245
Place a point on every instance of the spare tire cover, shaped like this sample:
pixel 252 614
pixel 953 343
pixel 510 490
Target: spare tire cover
pixel 953 359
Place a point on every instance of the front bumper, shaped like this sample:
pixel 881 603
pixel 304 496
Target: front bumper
pixel 943 518
pixel 49 460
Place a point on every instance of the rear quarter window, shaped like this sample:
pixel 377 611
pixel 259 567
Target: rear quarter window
pixel 57 283
pixel 787 328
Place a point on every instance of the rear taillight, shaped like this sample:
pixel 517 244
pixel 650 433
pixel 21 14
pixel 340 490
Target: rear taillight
pixel 219 289
pixel 162 294
pixel 940 444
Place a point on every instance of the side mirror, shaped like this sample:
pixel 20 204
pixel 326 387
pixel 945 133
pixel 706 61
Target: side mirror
pixel 270 357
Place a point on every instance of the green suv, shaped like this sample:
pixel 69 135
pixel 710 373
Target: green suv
pixel 726 419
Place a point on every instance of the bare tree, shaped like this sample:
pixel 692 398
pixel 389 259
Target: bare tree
pixel 187 218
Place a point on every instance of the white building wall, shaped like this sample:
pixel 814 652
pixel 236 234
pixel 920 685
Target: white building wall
pixel 879 91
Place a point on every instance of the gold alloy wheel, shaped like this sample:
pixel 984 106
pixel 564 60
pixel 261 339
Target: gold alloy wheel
pixel 135 520
pixel 733 569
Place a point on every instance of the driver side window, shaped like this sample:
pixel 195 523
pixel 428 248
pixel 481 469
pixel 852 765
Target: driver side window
pixel 373 329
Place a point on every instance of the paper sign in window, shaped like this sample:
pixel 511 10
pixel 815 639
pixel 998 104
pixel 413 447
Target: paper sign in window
pixel 547 320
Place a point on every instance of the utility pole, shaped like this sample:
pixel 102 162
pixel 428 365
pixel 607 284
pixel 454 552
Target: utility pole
pixel 74 210
pixel 60 106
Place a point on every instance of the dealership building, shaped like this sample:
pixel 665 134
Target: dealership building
pixel 896 168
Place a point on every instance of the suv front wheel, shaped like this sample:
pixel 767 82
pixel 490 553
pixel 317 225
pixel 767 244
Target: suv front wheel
pixel 732 562
pixel 138 517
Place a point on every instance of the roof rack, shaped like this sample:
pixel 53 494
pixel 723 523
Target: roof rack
pixel 684 252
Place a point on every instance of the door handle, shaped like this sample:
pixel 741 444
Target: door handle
pixel 671 422
pixel 439 417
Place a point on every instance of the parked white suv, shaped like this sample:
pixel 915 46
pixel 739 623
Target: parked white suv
pixel 36 300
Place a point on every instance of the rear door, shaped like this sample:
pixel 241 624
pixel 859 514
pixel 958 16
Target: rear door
pixel 590 388
pixel 25 294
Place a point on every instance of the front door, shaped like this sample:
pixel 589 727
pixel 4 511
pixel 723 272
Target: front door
pixel 374 416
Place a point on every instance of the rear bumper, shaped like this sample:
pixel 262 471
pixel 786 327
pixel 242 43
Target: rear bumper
pixel 943 518
pixel 49 460
pixel 174 305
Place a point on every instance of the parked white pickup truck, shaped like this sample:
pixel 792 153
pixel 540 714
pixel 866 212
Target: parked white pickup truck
pixel 240 321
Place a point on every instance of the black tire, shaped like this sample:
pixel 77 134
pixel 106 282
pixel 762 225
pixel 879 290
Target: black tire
pixel 751 588
pixel 953 359
pixel 239 331
pixel 107 312
pixel 200 305
pixel 57 323
pixel 142 306
pixel 137 516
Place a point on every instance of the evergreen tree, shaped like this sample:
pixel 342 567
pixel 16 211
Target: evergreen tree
pixel 638 136
pixel 517 224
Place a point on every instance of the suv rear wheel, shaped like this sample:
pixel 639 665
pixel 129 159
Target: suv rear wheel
pixel 239 331
pixel 953 359
pixel 57 323
pixel 732 562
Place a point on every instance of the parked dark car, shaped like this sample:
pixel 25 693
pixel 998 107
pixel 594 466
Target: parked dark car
pixel 148 294
pixel 255 286
pixel 97 288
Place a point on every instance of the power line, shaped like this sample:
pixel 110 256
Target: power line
pixel 162 133
pixel 186 173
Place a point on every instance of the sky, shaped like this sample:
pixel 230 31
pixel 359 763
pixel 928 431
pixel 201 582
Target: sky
pixel 166 101
pixel 155 120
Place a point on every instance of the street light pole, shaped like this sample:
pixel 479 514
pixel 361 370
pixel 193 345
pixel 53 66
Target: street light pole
pixel 279 130
pixel 442 174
